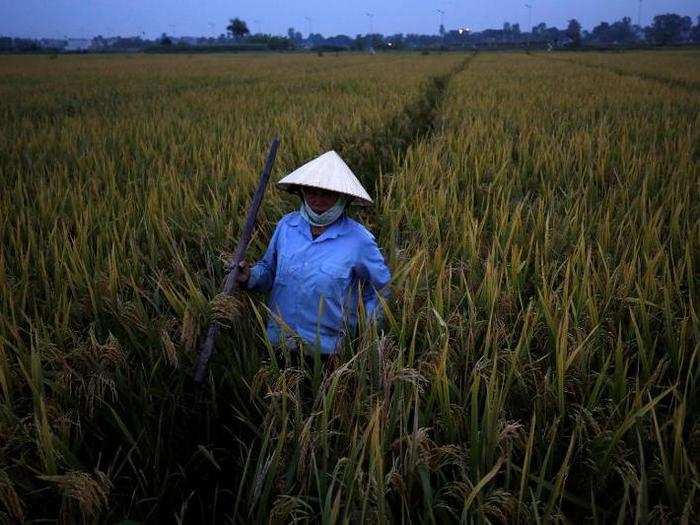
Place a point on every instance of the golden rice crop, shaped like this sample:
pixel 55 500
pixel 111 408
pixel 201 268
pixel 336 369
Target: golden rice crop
pixel 539 358
pixel 552 235
pixel 678 66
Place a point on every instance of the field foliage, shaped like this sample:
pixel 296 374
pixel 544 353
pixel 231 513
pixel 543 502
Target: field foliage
pixel 538 360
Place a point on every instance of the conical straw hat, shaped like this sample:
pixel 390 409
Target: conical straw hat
pixel 328 172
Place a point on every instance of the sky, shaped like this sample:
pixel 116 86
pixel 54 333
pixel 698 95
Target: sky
pixel 87 18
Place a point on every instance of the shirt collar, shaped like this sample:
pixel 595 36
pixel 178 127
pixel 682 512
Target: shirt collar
pixel 331 232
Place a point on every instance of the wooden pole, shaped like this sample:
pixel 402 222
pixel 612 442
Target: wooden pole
pixel 231 283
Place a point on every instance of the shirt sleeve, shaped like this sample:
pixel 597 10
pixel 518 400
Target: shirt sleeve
pixel 262 274
pixel 375 273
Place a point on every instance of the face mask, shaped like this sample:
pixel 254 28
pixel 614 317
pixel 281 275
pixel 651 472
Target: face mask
pixel 327 217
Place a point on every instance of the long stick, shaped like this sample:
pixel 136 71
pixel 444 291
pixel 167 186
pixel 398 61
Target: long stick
pixel 231 283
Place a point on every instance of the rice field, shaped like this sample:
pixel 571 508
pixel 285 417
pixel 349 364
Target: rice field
pixel 538 361
pixel 676 67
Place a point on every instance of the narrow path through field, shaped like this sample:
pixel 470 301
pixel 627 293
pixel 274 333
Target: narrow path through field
pixel 382 149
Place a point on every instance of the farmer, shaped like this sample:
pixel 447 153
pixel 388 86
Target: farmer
pixel 319 262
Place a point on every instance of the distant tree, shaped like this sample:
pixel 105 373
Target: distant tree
pixel 397 41
pixel 165 40
pixel 573 31
pixel 99 42
pixel 127 43
pixel 624 30
pixel 339 41
pixel 441 30
pixel 506 31
pixel 669 28
pixel 373 40
pixel 237 28
pixel 601 32
pixel 290 33
pixel 515 29
pixel 25 44
pixel 359 42
pixel 553 35
pixel 292 37
pixel 695 32
pixel 539 28
pixel 315 39
pixel 273 42
pixel 620 31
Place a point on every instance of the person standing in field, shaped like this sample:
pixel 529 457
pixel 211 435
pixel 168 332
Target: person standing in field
pixel 319 263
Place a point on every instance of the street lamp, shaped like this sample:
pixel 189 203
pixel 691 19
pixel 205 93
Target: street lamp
pixel 371 22
pixel 442 15
pixel 529 17
pixel 639 14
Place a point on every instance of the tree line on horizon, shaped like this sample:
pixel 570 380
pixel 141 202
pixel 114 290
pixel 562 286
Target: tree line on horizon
pixel 665 29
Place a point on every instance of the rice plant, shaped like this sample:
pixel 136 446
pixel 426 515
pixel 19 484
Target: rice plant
pixel 538 361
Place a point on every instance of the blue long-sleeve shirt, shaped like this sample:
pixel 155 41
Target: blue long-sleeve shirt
pixel 313 283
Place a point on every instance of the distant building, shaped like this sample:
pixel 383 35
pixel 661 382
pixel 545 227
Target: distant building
pixel 563 41
pixel 640 34
pixel 189 40
pixel 78 44
pixel 52 43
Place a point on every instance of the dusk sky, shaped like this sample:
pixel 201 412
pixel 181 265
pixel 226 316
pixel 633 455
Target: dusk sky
pixel 87 18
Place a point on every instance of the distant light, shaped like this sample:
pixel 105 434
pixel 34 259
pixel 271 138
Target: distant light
pixel 390 44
